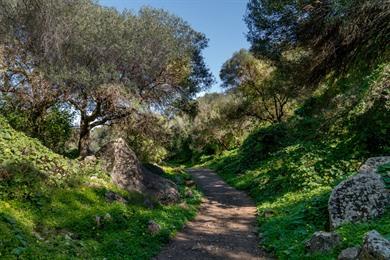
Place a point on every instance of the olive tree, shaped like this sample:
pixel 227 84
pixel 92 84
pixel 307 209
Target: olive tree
pixel 266 91
pixel 109 63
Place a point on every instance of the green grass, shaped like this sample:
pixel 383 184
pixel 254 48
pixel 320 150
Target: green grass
pixel 297 209
pixel 64 226
pixel 49 205
pixel 291 168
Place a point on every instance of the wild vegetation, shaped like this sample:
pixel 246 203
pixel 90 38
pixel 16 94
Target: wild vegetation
pixel 52 207
pixel 302 109
pixel 72 77
pixel 337 118
pixel 80 55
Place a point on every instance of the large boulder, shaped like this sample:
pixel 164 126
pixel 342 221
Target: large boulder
pixel 128 173
pixel 164 190
pixel 322 241
pixel 122 164
pixel 375 247
pixel 350 253
pixel 360 197
pixel 372 164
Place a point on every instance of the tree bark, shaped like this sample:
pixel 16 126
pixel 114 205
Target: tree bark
pixel 84 140
pixel 37 117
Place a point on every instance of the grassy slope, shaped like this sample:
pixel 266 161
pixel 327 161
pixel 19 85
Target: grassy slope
pixel 48 206
pixel 291 172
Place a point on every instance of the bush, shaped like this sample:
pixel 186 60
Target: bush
pixel 56 129
pixel 49 205
pixel 53 130
pixel 262 142
pixel 290 169
pixel 372 129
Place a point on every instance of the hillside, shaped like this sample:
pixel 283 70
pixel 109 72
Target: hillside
pixel 113 118
pixel 290 168
pixel 55 208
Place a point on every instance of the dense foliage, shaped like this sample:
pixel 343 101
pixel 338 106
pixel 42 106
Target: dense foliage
pixel 86 55
pixel 268 87
pixel 334 30
pixel 215 127
pixel 303 108
pixel 335 71
pixel 290 168
pixel 72 71
pixel 49 205
pixel 53 129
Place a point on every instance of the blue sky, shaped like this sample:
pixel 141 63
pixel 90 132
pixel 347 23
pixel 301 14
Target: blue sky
pixel 221 21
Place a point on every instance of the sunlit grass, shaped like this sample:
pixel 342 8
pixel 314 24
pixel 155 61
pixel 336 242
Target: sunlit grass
pixel 43 216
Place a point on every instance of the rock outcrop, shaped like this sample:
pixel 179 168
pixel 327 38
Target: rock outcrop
pixel 360 197
pixel 350 253
pixel 162 189
pixel 322 241
pixel 372 164
pixel 122 164
pixel 375 247
pixel 127 172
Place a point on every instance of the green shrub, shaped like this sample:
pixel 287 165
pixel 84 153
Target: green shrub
pixel 53 130
pixel 56 129
pixel 262 142
pixel 20 180
pixel 290 169
pixel 49 206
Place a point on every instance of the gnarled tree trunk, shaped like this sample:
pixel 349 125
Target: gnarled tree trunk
pixel 84 140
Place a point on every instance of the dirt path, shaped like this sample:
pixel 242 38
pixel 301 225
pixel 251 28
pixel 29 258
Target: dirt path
pixel 224 228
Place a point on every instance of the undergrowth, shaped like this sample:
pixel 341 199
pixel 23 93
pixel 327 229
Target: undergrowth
pixel 55 208
pixel 290 168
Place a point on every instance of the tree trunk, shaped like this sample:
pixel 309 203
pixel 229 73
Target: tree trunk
pixel 84 140
pixel 35 127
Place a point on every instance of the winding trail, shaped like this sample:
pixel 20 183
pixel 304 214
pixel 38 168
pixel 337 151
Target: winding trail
pixel 225 227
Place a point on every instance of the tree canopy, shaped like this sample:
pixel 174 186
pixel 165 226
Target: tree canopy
pixel 267 90
pixel 333 31
pixel 106 63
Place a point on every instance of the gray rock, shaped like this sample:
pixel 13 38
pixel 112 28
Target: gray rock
pixel 160 188
pixel 128 173
pixel 122 164
pixel 153 227
pixel 375 247
pixel 112 196
pixel 360 197
pixel 372 164
pixel 350 253
pixel 153 168
pixel 322 242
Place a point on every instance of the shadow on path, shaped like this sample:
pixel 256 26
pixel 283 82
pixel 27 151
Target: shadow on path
pixel 225 227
